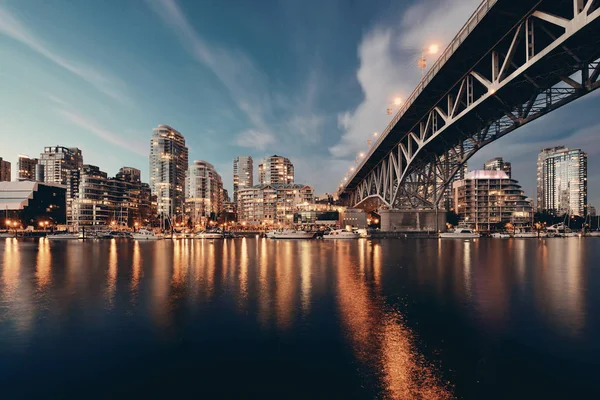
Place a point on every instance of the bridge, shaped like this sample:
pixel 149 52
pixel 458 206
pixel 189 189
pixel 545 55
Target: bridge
pixel 513 62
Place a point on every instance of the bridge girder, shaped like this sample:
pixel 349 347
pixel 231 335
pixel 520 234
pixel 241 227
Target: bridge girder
pixel 544 62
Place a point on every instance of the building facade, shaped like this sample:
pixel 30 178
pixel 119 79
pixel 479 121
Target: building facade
pixel 562 181
pixel 34 204
pixel 498 164
pixel 26 168
pixel 243 174
pixel 273 204
pixel 276 170
pixel 485 200
pixel 120 201
pixel 204 193
pixel 168 167
pixel 5 171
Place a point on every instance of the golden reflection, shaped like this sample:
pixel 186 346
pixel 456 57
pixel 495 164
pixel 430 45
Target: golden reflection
pixel 467 267
pixel 161 277
pixel 305 275
pixel 264 294
pixel 284 283
pixel 136 267
pixel 379 338
pixel 10 269
pixel 43 264
pixel 377 263
pixel 112 273
pixel 243 270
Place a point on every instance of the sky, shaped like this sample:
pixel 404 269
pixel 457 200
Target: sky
pixel 306 79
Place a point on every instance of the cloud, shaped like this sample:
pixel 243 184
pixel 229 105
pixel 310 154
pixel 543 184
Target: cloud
pixel 13 28
pixel 103 133
pixel 251 90
pixel 388 57
pixel 254 139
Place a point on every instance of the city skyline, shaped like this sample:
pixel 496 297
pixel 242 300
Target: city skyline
pixel 63 92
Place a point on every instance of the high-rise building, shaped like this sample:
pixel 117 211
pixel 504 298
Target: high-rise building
pixel 204 193
pixel 486 198
pixel 498 164
pixel 273 204
pixel 243 174
pixel 4 170
pixel 168 166
pixel 26 168
pixel 276 170
pixel 562 181
pixel 62 166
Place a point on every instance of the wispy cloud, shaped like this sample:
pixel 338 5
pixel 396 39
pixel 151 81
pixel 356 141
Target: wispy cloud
pixel 110 86
pixel 254 139
pixel 388 57
pixel 106 134
pixel 249 87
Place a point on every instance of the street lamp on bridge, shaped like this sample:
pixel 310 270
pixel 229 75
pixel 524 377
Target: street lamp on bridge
pixel 422 62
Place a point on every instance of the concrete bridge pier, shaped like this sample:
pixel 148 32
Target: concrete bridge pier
pixel 413 220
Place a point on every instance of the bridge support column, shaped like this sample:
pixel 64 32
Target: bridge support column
pixel 412 220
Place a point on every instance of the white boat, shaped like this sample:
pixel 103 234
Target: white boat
pixel 594 234
pixel 340 234
pixel 290 234
pixel 6 235
pixel 145 234
pixel 460 233
pixel 64 236
pixel 525 235
pixel 209 235
pixel 500 235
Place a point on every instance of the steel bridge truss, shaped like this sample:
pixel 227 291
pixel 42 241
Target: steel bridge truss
pixel 503 92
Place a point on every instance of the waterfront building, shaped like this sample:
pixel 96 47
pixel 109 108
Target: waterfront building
pixel 31 203
pixel 243 174
pixel 272 204
pixel 204 193
pixel 120 201
pixel 4 171
pixel 62 165
pixel 276 170
pixel 562 181
pixel 498 164
pixel 484 200
pixel 168 167
pixel 26 167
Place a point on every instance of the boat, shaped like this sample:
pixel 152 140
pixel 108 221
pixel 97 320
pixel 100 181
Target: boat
pixel 290 234
pixel 525 234
pixel 145 234
pixel 500 235
pixel 119 235
pixel 210 235
pixel 340 234
pixel 64 236
pixel 6 235
pixel 460 233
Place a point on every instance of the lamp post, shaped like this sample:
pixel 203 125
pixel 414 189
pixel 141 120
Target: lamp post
pixel 422 61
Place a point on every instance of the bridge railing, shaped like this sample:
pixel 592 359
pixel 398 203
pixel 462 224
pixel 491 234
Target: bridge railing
pixel 460 37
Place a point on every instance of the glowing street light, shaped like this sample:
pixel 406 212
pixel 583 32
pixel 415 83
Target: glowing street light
pixel 397 101
pixel 422 62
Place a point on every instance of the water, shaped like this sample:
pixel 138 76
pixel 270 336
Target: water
pixel 257 318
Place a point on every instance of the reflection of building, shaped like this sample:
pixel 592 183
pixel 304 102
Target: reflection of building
pixel 4 170
pixel 31 203
pixel 562 180
pixel 485 198
pixel 168 166
pixel 243 174
pixel 123 200
pixel 26 168
pixel 275 170
pixel 498 164
pixel 272 204
pixel 204 193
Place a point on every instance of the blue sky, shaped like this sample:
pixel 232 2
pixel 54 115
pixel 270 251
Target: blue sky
pixel 306 79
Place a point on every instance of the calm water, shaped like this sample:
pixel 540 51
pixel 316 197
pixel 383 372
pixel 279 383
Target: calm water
pixel 300 319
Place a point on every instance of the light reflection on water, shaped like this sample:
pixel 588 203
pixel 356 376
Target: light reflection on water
pixel 360 295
